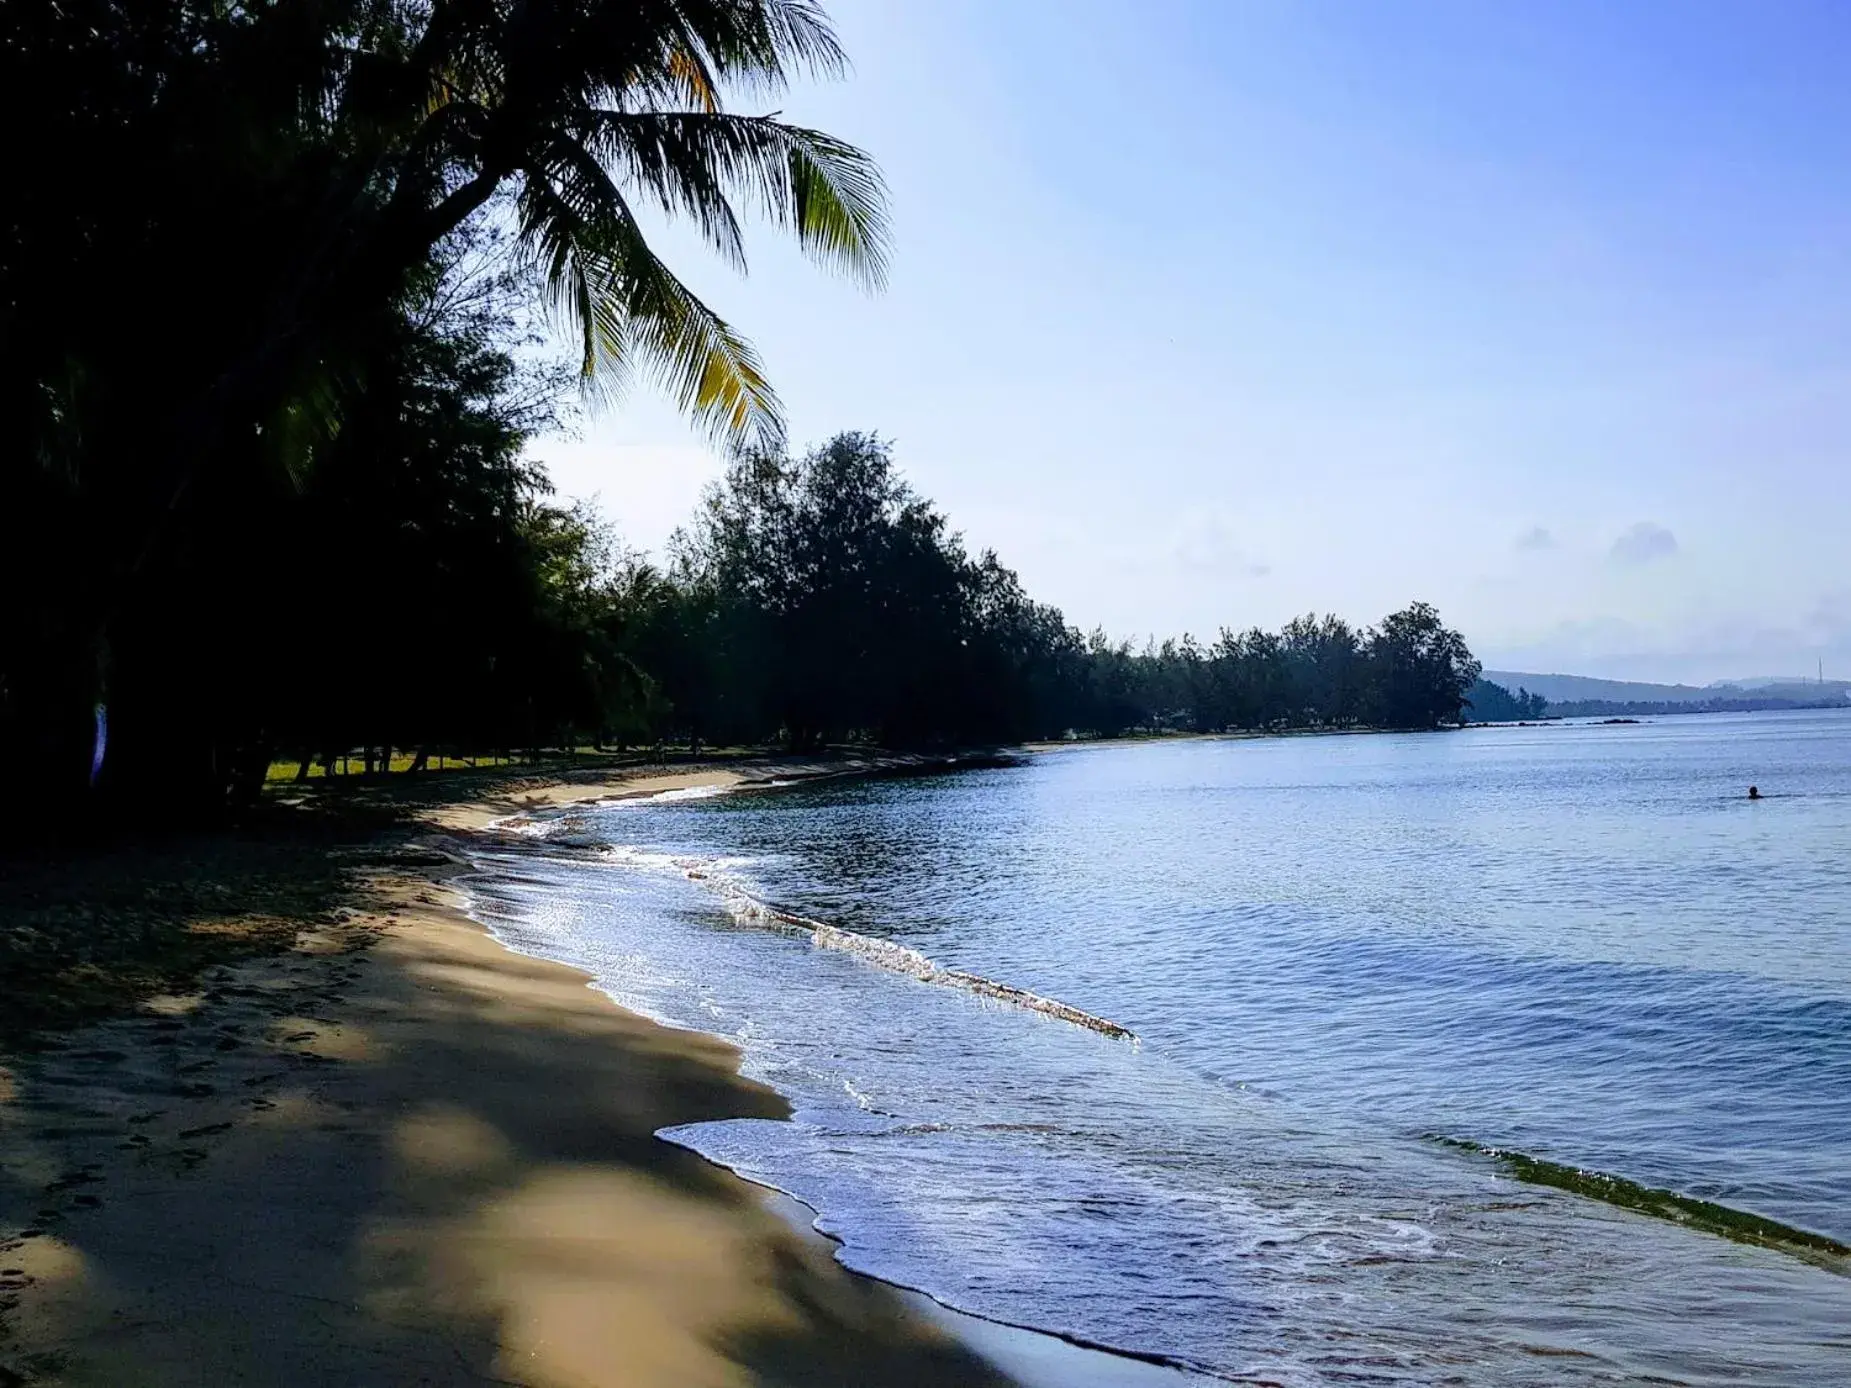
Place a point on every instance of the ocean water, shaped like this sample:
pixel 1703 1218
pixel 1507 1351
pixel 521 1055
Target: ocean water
pixel 1580 941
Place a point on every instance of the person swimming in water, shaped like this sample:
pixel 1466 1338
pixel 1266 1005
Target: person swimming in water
pixel 1754 792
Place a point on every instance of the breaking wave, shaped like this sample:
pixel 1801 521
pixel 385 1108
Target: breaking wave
pixel 749 910
pixel 1245 1191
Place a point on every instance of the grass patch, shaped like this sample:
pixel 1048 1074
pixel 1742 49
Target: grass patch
pixel 353 767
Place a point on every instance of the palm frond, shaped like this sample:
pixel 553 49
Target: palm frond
pixel 630 311
pixel 636 147
pixel 589 104
pixel 714 373
pixel 825 190
pixel 751 45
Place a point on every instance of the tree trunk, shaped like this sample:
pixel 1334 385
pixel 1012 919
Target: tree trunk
pixel 250 772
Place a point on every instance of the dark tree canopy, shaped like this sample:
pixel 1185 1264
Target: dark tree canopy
pixel 1487 702
pixel 848 607
pixel 222 222
pixel 272 385
pixel 820 598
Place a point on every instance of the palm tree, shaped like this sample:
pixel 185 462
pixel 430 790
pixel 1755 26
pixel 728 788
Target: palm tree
pixel 311 156
pixel 229 199
pixel 580 111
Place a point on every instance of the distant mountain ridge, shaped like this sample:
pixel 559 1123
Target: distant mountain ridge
pixel 1585 689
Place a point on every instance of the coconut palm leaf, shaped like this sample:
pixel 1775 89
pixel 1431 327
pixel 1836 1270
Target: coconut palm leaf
pixel 589 108
pixel 826 191
pixel 629 310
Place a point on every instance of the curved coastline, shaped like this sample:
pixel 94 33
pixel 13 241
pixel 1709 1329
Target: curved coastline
pixel 527 830
pixel 750 910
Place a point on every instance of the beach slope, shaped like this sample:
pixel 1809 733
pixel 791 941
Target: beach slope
pixel 399 1153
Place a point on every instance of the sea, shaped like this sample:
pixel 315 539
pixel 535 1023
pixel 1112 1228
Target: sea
pixel 1214 1052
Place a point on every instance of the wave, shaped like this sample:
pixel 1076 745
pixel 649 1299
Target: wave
pixel 747 909
pixel 1705 1215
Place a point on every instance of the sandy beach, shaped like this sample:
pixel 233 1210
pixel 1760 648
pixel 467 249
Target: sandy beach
pixel 397 1152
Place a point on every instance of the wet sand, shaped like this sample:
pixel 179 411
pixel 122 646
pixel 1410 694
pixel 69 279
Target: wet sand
pixel 400 1153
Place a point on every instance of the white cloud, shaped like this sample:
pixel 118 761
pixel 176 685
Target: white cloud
pixel 1536 537
pixel 1644 543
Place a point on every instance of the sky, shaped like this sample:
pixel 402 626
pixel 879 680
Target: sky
pixel 1206 313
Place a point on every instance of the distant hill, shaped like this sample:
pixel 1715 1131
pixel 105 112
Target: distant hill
pixel 1574 695
pixel 1799 690
pixel 1563 689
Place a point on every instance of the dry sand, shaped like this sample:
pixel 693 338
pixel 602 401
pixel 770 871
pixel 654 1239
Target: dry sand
pixel 401 1154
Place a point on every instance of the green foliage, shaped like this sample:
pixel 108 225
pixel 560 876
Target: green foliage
pixel 269 381
pixel 820 598
pixel 837 603
pixel 226 383
pixel 1316 673
pixel 1493 703
pixel 1418 670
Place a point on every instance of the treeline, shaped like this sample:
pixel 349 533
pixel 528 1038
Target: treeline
pixel 1489 702
pixel 261 431
pixel 1407 672
pixel 272 284
pixel 1633 708
pixel 820 599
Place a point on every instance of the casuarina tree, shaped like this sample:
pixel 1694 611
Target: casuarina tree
pixel 220 211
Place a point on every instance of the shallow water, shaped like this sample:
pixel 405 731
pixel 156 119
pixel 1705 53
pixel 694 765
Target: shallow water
pixel 1578 941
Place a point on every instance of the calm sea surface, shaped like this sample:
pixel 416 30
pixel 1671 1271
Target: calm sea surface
pixel 1582 942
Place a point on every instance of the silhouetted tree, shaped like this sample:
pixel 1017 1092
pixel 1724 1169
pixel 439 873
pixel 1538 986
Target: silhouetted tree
pixel 1418 670
pixel 215 228
pixel 1487 702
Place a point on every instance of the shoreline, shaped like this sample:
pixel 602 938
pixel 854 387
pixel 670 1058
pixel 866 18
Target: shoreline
pixel 402 1151
pixel 1034 1358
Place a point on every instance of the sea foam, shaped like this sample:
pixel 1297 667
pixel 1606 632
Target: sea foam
pixel 748 909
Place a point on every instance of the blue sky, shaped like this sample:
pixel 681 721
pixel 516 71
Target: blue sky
pixel 1210 312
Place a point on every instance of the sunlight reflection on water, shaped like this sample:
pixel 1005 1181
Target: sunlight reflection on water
pixel 1582 942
